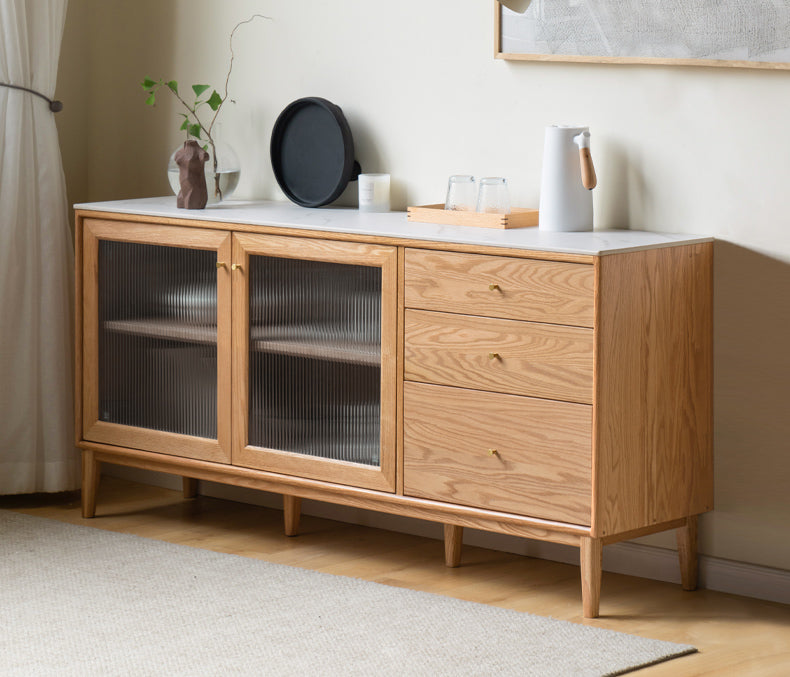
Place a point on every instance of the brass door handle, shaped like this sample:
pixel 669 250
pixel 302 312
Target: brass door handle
pixel 221 264
pixel 235 266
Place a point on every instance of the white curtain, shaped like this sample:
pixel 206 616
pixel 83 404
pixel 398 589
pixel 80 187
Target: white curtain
pixel 36 260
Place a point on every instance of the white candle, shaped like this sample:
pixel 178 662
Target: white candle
pixel 374 192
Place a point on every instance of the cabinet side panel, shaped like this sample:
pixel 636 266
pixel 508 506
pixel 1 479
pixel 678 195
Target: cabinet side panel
pixel 653 400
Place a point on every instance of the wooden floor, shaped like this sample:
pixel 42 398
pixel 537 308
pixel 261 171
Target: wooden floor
pixel 734 635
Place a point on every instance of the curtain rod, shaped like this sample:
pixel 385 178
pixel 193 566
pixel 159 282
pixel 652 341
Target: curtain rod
pixel 54 106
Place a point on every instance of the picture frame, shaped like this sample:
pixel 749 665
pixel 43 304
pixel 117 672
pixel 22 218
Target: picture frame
pixel 646 32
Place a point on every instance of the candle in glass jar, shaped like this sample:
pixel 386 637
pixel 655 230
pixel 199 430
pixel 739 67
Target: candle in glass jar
pixel 374 192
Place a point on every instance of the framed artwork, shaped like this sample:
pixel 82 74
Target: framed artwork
pixel 733 33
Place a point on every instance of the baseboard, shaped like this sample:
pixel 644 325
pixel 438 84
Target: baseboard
pixel 631 559
pixel 661 564
pixel 742 578
pixel 737 578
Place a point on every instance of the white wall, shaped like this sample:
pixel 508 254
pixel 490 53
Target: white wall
pixel 678 149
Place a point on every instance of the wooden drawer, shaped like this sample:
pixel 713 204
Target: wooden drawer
pixel 523 289
pixel 521 358
pixel 541 467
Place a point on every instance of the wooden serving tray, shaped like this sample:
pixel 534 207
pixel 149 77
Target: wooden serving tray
pixel 518 217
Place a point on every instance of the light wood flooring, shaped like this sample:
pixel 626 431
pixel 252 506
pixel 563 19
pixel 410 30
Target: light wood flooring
pixel 734 635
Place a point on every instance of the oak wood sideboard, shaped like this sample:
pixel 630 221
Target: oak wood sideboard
pixel 554 386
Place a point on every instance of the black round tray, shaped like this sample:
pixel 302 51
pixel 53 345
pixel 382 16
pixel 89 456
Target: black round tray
pixel 312 152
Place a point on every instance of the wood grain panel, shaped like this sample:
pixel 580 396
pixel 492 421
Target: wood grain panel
pixel 499 286
pixel 653 401
pixel 156 233
pixel 316 467
pixel 501 452
pixel 357 254
pixel 175 444
pixel 521 358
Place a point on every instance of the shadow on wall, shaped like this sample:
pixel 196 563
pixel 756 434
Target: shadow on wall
pixel 626 200
pixel 113 146
pixel 751 404
pixel 130 142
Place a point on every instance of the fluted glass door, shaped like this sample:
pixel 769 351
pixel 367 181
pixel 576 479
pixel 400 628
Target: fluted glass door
pixel 318 336
pixel 158 338
pixel 152 323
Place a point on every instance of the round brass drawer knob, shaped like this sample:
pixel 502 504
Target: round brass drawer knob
pixel 494 356
pixel 492 452
pixel 494 287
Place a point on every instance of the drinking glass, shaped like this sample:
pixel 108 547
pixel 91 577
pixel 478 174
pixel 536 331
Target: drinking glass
pixel 493 197
pixel 461 192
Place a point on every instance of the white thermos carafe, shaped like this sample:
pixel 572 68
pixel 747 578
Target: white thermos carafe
pixel 567 181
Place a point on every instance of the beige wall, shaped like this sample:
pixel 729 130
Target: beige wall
pixel 73 88
pixel 678 149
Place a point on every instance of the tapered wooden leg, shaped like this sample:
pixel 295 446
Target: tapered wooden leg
pixel 687 553
pixel 591 558
pixel 190 486
pixel 91 470
pixel 453 540
pixel 292 511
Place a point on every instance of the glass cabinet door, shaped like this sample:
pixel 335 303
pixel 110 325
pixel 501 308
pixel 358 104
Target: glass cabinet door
pixel 315 349
pixel 156 325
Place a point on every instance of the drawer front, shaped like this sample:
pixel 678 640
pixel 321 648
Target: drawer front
pixel 497 286
pixel 521 358
pixel 541 466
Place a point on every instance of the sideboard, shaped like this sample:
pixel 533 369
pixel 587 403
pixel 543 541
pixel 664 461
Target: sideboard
pixel 554 386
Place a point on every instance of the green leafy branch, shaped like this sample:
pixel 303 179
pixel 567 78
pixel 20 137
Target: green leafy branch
pixel 192 123
pixel 192 126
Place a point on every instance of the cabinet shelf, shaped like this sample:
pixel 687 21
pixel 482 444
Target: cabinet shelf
pixel 263 339
pixel 164 328
pixel 268 340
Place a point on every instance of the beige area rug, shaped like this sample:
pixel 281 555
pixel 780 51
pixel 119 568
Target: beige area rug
pixel 81 601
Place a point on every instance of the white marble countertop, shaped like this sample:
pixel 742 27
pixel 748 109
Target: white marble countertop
pixel 394 224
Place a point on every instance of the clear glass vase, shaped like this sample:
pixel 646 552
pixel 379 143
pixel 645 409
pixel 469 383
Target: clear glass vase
pixel 228 169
